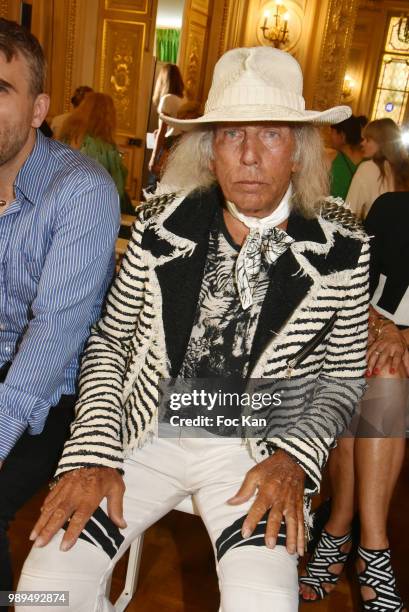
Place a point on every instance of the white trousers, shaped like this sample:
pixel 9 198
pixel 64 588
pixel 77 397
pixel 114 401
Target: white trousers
pixel 252 578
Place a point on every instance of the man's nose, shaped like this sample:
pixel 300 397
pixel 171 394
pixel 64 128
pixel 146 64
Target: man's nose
pixel 250 153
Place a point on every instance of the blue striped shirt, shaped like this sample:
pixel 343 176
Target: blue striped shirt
pixel 56 260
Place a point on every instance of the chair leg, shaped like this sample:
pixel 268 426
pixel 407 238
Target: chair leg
pixel 131 581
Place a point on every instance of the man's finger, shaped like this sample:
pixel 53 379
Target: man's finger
pixel 55 521
pixel 77 523
pixel 291 524
pixel 47 509
pixel 40 524
pixel 254 515
pixel 300 532
pixel 246 491
pixel 273 525
pixel 115 509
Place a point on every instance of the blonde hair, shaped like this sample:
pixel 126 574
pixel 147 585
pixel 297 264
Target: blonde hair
pixel 310 180
pixel 388 137
pixel 95 117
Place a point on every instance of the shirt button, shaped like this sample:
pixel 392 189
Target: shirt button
pixel 1 326
pixel 8 348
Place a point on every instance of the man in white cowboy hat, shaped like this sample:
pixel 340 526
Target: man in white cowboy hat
pixel 238 267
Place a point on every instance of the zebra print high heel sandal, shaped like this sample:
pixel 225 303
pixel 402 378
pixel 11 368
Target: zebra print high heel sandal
pixel 327 553
pixel 378 575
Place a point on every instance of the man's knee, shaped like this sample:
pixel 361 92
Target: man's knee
pixel 80 571
pixel 260 579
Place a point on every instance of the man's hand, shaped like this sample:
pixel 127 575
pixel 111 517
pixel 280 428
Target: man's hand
pixel 389 346
pixel 76 496
pixel 280 483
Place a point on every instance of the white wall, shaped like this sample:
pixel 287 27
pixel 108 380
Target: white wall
pixel 170 13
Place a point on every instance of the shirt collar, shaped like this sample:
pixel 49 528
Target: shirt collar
pixel 27 180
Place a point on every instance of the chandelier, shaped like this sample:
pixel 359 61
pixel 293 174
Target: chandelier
pixel 403 29
pixel 275 25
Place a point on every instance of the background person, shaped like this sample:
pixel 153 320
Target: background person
pixel 346 141
pixel 385 167
pixel 59 120
pixel 91 129
pixel 168 99
pixel 59 217
pixel 364 470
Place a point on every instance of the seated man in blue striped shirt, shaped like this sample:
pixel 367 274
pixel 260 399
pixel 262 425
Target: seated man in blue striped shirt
pixel 59 216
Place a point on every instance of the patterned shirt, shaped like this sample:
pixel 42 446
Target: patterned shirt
pixel 56 252
pixel 223 333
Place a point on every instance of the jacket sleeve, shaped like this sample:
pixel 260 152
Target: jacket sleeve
pixel 96 431
pixel 338 389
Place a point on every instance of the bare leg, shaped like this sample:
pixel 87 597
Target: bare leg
pixel 341 472
pixel 378 462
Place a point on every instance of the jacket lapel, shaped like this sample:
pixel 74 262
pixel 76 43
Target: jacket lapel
pixel 180 274
pixel 288 286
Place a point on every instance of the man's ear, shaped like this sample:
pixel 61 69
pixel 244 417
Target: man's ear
pixel 40 109
pixel 211 166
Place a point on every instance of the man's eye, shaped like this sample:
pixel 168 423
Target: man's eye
pixel 271 134
pixel 231 133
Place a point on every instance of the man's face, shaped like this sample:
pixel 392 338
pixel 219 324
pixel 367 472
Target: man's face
pixel 253 164
pixel 19 109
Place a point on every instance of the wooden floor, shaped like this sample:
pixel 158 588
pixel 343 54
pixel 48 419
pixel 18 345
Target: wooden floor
pixel 177 572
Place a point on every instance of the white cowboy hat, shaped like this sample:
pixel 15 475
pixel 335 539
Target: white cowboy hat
pixel 258 84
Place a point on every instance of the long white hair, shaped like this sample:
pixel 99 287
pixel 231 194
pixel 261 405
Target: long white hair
pixel 188 167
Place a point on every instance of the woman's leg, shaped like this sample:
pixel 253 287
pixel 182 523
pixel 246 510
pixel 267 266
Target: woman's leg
pixel 341 472
pixel 378 462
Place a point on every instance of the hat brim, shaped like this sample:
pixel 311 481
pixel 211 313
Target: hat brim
pixel 261 113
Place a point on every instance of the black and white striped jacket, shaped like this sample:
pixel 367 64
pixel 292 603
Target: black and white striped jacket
pixel 313 323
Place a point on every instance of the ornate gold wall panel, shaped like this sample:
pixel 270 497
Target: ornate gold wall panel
pixel 202 6
pixel 134 6
pixel 10 9
pixel 336 42
pixel 194 53
pixel 194 46
pixel 124 70
pixel 122 49
pixel 4 8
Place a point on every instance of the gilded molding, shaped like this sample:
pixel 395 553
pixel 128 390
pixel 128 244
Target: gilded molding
pixel 69 52
pixel 223 31
pixel 131 6
pixel 120 63
pixel 4 8
pixel 337 38
pixel 121 81
pixel 192 71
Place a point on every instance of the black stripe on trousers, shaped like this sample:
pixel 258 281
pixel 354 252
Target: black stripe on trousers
pixel 231 536
pixel 102 532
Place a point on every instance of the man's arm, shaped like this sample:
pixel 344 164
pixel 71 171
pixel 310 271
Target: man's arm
pixel 69 296
pixel 339 387
pixel 92 458
pixel 301 451
pixel 96 433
